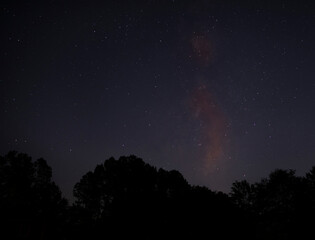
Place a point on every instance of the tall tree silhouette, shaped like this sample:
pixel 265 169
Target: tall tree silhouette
pixel 128 196
pixel 130 192
pixel 112 182
pixel 126 188
pixel 242 194
pixel 281 205
pixel 31 204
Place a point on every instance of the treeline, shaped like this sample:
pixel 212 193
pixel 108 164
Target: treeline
pixel 129 198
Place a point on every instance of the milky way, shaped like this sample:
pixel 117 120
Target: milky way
pixel 206 109
pixel 213 126
pixel 203 49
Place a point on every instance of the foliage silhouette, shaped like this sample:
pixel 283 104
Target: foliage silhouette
pixel 129 198
pixel 129 191
pixel 31 204
pixel 131 195
pixel 280 205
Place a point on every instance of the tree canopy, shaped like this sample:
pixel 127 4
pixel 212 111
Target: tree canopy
pixel 129 194
pixel 281 205
pixel 31 204
pixel 130 198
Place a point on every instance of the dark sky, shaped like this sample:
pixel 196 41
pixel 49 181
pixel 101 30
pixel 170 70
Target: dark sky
pixel 219 90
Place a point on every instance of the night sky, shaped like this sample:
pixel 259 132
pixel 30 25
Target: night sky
pixel 220 91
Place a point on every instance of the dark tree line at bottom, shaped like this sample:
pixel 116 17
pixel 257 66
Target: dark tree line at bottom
pixel 129 198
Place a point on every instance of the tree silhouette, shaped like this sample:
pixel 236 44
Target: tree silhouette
pixel 242 194
pixel 129 198
pixel 130 192
pixel 111 182
pixel 31 204
pixel 280 204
